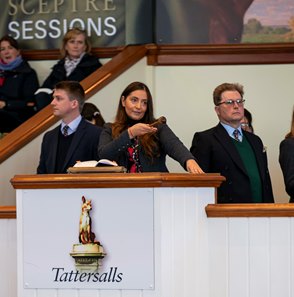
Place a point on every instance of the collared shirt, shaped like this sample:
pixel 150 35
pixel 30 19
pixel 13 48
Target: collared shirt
pixel 231 130
pixel 72 126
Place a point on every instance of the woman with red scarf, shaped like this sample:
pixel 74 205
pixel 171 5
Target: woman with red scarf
pixel 18 83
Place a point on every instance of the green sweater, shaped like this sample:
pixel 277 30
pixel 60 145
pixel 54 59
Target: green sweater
pixel 248 157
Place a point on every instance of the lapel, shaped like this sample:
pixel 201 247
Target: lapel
pixel 77 138
pixel 52 150
pixel 226 142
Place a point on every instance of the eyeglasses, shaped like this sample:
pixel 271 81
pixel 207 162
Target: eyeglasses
pixel 231 102
pixel 244 125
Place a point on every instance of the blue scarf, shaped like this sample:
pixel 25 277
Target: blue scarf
pixel 12 65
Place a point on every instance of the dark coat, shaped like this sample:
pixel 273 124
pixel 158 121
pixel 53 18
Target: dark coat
pixel 18 89
pixel 286 159
pixel 84 147
pixel 116 149
pixel 215 152
pixel 87 65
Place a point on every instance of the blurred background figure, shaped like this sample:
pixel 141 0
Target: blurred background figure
pixel 76 63
pixel 246 122
pixel 92 114
pixel 286 159
pixel 18 83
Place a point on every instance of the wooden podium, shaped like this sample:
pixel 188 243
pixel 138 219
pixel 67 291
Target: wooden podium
pixel 151 226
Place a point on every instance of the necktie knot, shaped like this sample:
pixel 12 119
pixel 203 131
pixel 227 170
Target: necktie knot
pixel 65 130
pixel 236 134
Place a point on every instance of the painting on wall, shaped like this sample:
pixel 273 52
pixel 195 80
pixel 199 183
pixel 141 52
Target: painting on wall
pixel 224 22
pixel 269 21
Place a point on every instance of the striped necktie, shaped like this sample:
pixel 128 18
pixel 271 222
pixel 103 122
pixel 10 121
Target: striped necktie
pixel 236 134
pixel 65 130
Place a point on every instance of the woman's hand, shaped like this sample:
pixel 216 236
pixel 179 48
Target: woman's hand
pixel 2 104
pixel 140 129
pixel 193 167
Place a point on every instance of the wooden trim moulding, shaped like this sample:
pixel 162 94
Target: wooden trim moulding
pixel 233 54
pixel 7 212
pixel 115 180
pixel 250 210
pixel 54 54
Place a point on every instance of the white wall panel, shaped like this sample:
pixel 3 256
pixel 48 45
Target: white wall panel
pixel 8 258
pixel 259 252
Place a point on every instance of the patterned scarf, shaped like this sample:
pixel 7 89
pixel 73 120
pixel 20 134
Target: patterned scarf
pixel 134 165
pixel 70 64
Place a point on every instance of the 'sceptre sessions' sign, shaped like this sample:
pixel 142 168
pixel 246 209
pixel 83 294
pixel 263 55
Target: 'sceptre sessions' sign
pixel 41 24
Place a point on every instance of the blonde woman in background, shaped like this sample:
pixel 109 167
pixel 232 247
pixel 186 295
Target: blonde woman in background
pixel 76 63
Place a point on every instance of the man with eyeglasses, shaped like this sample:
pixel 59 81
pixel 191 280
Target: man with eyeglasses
pixel 236 154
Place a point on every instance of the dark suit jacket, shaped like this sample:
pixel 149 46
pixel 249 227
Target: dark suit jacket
pixel 84 147
pixel 215 152
pixel 286 159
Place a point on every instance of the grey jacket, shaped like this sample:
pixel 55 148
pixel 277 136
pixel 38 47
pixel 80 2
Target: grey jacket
pixel 169 144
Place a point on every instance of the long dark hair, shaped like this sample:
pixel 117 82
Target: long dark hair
pixel 148 141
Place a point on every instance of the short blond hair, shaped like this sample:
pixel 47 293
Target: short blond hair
pixel 70 34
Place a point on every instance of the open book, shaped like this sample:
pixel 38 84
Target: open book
pixel 93 163
pixel 93 166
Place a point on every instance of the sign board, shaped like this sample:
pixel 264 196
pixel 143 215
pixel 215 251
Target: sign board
pixel 40 24
pixel 123 241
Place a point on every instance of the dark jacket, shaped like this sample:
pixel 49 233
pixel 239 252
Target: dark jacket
pixel 169 144
pixel 18 89
pixel 84 147
pixel 87 65
pixel 215 152
pixel 286 159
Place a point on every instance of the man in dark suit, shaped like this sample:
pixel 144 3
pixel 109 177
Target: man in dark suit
pixel 237 154
pixel 75 139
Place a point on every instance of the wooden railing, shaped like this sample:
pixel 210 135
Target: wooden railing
pixel 279 53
